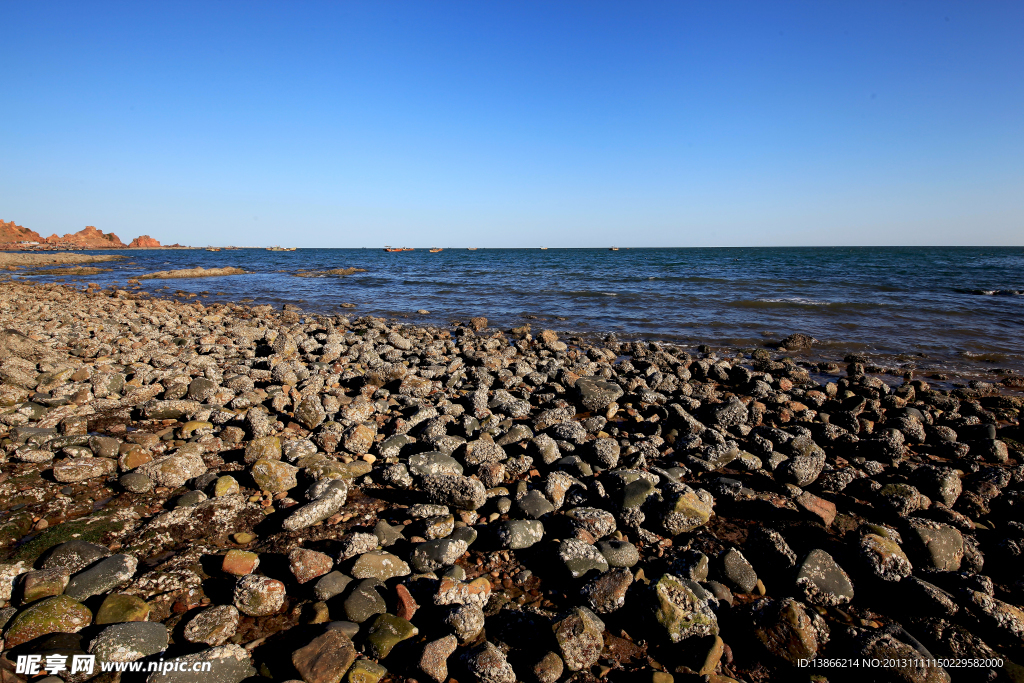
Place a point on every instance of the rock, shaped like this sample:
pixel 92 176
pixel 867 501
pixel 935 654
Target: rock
pixel 434 462
pixel 455 592
pixel 381 565
pixel 310 413
pixel 174 470
pixel 213 626
pixel 597 394
pixel 357 543
pixel 134 482
pixel 519 534
pixel 683 608
pixel 737 571
pixel 274 476
pixel 458 492
pixel 467 621
pixel 433 555
pixel 331 584
pixel 883 555
pixel 548 668
pixel 822 581
pixel 805 463
pixel 323 506
pixel 686 509
pixel 74 555
pixel 101 577
pixel 535 505
pixel 487 664
pixel 263 448
pixel 434 659
pixel 307 565
pixel 259 596
pixel 596 522
pixel 619 553
pixel 129 642
pixel 935 545
pixel 606 592
pixel 580 558
pixel 61 614
pixel 325 659
pixel 363 602
pixel 80 469
pixel 240 562
pixel 386 632
pixel 580 638
pixel 44 583
pixel 788 630
pixel 228 664
pixel 366 671
pixel 118 608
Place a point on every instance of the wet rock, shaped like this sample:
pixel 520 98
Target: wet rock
pixel 44 583
pixel 365 671
pixel 737 571
pixel 386 632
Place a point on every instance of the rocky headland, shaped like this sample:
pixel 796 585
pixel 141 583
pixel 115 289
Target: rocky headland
pixel 318 498
pixel 14 236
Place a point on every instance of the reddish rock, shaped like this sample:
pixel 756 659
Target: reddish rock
pixel 240 562
pixel 406 604
pixel 9 232
pixel 307 565
pixel 819 507
pixel 144 242
pixel 89 237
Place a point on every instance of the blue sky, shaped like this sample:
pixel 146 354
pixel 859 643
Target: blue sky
pixel 516 123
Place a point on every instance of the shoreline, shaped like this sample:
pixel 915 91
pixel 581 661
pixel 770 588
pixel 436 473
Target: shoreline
pixel 503 480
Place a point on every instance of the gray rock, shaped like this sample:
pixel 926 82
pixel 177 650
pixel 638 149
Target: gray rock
pixel 102 577
pixel 805 463
pixel 580 558
pixel 323 506
pixel 363 602
pixel 597 394
pixel 434 462
pixel 465 621
pixel 75 555
pixel 822 581
pixel 228 664
pixel 535 505
pixel 129 642
pixel 433 555
pixel 737 571
pixel 213 626
pixel 619 553
pixel 519 534
pixel 135 482
pixel 488 665
pixel 458 492
pixel 330 584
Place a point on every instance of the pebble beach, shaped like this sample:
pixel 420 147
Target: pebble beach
pixel 300 496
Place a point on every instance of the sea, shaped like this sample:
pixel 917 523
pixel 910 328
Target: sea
pixel 915 307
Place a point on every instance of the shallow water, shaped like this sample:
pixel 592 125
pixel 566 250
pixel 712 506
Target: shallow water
pixel 952 304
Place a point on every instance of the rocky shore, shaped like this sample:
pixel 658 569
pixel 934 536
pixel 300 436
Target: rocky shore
pixel 325 498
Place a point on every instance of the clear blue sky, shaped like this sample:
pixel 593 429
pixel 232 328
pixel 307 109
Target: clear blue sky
pixel 516 123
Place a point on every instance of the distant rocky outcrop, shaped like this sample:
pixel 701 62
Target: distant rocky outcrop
pixel 88 238
pixel 144 242
pixel 9 232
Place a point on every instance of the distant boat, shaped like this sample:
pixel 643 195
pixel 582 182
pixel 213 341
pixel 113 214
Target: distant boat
pixel 543 248
pixel 213 249
pixel 614 249
pixel 435 250
pixel 280 248
pixel 471 248
pixel 398 249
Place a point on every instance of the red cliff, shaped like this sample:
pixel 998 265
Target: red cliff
pixel 144 242
pixel 9 232
pixel 88 238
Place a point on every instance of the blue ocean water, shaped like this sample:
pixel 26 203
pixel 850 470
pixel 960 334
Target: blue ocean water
pixel 961 304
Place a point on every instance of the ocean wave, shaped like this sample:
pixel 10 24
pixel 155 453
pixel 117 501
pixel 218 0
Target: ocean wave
pixel 993 292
